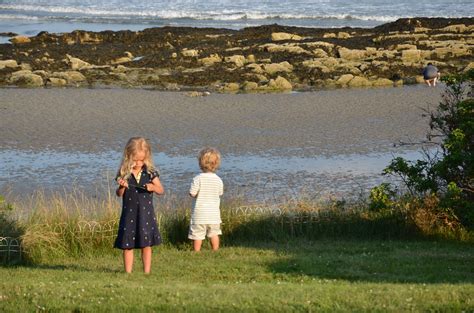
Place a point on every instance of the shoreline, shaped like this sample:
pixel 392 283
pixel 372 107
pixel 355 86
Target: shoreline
pixel 328 141
pixel 266 58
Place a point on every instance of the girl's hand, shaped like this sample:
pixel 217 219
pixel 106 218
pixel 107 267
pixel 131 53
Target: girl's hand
pixel 150 187
pixel 122 182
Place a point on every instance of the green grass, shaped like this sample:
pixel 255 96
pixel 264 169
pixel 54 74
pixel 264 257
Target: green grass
pixel 296 275
pixel 300 256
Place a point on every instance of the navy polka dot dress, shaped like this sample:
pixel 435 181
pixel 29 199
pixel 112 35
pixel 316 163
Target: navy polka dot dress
pixel 138 227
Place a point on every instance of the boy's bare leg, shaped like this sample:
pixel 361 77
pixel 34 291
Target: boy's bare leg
pixel 197 245
pixel 128 260
pixel 215 243
pixel 146 259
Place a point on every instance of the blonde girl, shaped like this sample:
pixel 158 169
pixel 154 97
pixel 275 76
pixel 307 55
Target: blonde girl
pixel 138 179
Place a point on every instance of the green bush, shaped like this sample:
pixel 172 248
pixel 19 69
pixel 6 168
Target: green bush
pixel 448 172
pixel 381 197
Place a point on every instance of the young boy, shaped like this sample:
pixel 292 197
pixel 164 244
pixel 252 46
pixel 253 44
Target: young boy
pixel 206 188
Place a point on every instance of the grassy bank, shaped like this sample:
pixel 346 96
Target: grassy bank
pixel 73 224
pixel 323 275
pixel 300 256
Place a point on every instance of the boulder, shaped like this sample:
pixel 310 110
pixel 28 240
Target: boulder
pixel 405 47
pixel 194 94
pixel 320 44
pixel 249 86
pixel 238 60
pixel 127 58
pixel 81 37
pixel 251 58
pixel 20 40
pixel 458 28
pixel 171 86
pixel 359 81
pixel 57 82
pixel 278 67
pixel 231 87
pixel 411 55
pixel 352 54
pixel 349 68
pixel 8 63
pixel 280 83
pixel 329 35
pixel 320 53
pixel 190 53
pixel 211 60
pixel 26 78
pixel 288 48
pixel 330 62
pixel 41 73
pixel 119 69
pixel 382 82
pixel 343 35
pixel 420 79
pixel 72 77
pixel 76 63
pixel 317 65
pixel 453 51
pixel 26 66
pixel 285 36
pixel 256 68
pixel 344 79
pixel 329 83
pixel 371 51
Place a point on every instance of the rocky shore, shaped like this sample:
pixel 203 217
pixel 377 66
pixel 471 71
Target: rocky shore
pixel 265 58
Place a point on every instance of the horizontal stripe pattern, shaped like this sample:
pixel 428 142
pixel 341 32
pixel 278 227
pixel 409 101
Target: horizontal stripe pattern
pixel 208 188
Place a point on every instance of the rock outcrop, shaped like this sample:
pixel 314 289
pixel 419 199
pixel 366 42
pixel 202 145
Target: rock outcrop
pixel 253 59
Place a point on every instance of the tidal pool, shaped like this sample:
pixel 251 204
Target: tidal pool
pixel 252 176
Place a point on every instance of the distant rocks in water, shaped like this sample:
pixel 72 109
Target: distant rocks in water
pixel 9 34
pixel 20 40
pixel 255 59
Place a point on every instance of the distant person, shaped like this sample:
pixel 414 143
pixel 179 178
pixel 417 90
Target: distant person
pixel 206 188
pixel 138 179
pixel 431 74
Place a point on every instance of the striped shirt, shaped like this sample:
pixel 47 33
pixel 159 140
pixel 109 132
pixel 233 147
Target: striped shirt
pixel 207 187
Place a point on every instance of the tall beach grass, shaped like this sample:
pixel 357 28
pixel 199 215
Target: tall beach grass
pixel 75 224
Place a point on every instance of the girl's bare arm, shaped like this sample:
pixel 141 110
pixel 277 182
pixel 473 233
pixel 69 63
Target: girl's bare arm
pixel 155 186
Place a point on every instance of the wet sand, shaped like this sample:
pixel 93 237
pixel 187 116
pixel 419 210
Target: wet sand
pixel 328 123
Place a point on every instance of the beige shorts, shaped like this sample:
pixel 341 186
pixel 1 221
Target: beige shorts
pixel 200 231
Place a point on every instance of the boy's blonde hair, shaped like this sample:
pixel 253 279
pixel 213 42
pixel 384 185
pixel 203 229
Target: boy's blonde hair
pixel 134 145
pixel 209 159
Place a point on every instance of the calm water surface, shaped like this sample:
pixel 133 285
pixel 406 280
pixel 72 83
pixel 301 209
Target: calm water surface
pixel 255 177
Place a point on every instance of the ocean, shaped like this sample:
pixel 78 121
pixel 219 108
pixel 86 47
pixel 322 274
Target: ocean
pixel 28 17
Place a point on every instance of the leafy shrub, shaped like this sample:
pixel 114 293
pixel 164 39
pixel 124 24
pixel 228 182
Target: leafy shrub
pixel 448 172
pixel 381 197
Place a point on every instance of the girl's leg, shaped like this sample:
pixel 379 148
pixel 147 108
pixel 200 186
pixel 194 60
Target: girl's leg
pixel 128 260
pixel 146 259
pixel 215 243
pixel 197 245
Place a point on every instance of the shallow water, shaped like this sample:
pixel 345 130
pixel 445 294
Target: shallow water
pixel 253 176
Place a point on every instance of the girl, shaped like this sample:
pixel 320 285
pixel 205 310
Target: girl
pixel 138 179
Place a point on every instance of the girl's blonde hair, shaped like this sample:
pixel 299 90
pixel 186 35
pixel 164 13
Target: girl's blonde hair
pixel 134 145
pixel 209 159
